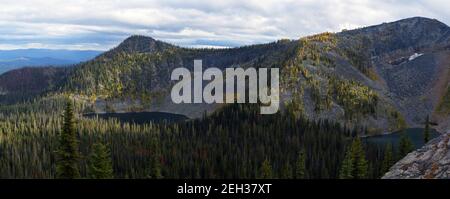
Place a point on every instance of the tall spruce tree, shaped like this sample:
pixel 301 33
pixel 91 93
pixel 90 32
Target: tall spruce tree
pixel 388 159
pixel 266 170
pixel 355 165
pixel 405 145
pixel 300 165
pixel 426 131
pixel 155 171
pixel 286 172
pixel 68 152
pixel 100 163
pixel 346 170
pixel 155 167
pixel 361 164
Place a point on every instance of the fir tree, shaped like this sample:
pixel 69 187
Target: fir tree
pixel 99 163
pixel 361 163
pixel 67 154
pixel 155 167
pixel 300 165
pixel 286 172
pixel 355 165
pixel 426 132
pixel 405 145
pixel 266 170
pixel 346 171
pixel 388 159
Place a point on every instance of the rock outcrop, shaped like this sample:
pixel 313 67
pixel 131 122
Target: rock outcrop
pixel 432 161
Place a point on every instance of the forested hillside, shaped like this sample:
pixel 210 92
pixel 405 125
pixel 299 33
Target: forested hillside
pixel 349 77
pixel 246 145
pixel 335 88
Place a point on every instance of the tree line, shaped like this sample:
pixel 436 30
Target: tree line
pixel 234 142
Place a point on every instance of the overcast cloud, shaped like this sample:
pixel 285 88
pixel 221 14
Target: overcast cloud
pixel 102 24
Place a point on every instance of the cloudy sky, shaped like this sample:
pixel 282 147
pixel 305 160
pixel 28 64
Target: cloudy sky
pixel 102 24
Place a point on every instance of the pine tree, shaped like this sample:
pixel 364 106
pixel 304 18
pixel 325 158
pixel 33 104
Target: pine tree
pixel 388 159
pixel 67 153
pixel 99 163
pixel 426 132
pixel 155 167
pixel 346 171
pixel 300 165
pixel 266 170
pixel 361 163
pixel 354 165
pixel 286 172
pixel 405 145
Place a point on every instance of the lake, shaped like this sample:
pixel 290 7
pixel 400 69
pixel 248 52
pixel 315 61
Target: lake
pixel 415 134
pixel 141 117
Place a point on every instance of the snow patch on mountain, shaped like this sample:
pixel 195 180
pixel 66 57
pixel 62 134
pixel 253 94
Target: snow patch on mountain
pixel 415 56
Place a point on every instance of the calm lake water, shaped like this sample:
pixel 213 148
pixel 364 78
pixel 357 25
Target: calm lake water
pixel 141 117
pixel 415 134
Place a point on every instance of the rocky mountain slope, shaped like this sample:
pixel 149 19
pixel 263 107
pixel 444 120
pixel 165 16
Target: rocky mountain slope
pixel 412 57
pixel 432 161
pixel 381 78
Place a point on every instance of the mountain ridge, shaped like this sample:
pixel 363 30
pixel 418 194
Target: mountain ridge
pixel 134 75
pixel 13 59
pixel 138 44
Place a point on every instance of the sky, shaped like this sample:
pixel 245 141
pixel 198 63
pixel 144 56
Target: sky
pixel 103 24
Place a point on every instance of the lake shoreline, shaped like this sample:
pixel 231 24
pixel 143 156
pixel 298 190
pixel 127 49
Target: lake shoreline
pixel 140 117
pixel 414 134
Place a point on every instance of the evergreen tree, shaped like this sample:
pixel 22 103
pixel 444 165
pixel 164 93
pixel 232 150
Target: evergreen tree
pixel 346 171
pixel 426 132
pixel 286 172
pixel 405 145
pixel 361 163
pixel 266 170
pixel 67 153
pixel 300 165
pixel 155 167
pixel 388 159
pixel 355 165
pixel 99 163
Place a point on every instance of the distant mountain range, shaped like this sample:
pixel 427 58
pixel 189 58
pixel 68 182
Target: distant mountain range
pixel 12 59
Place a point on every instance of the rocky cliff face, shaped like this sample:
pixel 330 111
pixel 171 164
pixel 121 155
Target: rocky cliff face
pixel 432 161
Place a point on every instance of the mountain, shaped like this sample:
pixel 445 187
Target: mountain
pixel 10 64
pixel 12 59
pixel 139 44
pixel 432 161
pixel 27 83
pixel 134 76
pixel 411 58
pixel 379 78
